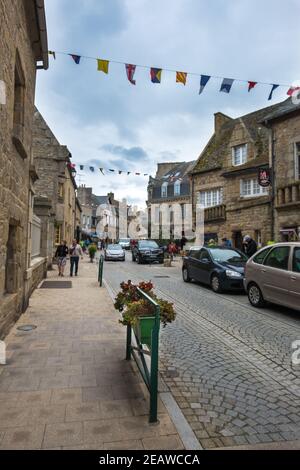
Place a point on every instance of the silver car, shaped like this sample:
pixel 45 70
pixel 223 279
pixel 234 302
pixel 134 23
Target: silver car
pixel 125 243
pixel 273 275
pixel 114 252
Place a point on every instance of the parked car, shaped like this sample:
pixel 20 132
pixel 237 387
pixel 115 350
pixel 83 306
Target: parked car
pixel 125 243
pixel 114 252
pixel 221 268
pixel 273 275
pixel 147 251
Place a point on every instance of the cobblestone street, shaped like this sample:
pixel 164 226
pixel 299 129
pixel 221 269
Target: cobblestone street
pixel 66 384
pixel 227 364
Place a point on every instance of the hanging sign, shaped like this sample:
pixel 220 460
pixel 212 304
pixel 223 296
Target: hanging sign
pixel 264 177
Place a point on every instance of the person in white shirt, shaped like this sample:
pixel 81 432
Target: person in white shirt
pixel 75 251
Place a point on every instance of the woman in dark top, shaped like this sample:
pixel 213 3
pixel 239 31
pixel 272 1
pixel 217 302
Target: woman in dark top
pixel 61 255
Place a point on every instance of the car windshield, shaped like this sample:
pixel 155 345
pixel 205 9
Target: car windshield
pixel 148 244
pixel 227 256
pixel 114 247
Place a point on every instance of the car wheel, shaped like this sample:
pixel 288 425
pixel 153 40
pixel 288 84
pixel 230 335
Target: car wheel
pixel 255 296
pixel 185 275
pixel 215 283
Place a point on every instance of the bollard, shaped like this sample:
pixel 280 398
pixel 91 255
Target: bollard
pixel 100 270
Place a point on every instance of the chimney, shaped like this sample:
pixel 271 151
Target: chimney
pixel 220 120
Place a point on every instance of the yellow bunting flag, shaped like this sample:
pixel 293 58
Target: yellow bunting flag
pixel 103 65
pixel 181 77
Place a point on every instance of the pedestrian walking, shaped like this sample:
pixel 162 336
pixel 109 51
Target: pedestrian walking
pixel 182 242
pixel 75 251
pixel 226 243
pixel 61 255
pixel 249 246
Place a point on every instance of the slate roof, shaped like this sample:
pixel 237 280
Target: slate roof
pixel 178 171
pixel 213 155
pixel 286 107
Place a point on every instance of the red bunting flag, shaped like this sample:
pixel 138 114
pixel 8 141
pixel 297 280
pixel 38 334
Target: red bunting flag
pixel 292 90
pixel 251 85
pixel 130 70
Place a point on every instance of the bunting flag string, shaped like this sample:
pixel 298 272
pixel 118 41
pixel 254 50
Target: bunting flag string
pixel 251 85
pixel 155 75
pixel 92 169
pixel 130 70
pixel 181 77
pixel 103 65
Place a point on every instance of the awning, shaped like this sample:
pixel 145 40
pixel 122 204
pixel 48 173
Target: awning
pixel 287 231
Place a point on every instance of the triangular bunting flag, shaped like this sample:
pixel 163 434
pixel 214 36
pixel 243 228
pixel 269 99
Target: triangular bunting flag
pixel 76 58
pixel 155 75
pixel 52 53
pixel 271 92
pixel 103 65
pixel 92 168
pixel 81 167
pixel 292 90
pixel 203 81
pixel 226 85
pixel 181 77
pixel 120 172
pixel 251 85
pixel 101 169
pixel 130 71
pixel 111 170
pixel 138 173
pixel 128 172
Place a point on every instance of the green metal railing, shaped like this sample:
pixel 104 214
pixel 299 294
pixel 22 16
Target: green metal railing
pixel 100 269
pixel 149 374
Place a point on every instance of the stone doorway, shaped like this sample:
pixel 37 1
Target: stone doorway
pixel 237 239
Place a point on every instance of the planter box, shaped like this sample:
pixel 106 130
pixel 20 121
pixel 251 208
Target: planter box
pixel 143 329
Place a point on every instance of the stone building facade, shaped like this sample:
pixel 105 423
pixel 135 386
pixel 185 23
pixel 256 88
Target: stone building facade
pixel 225 179
pixel 169 194
pixel 95 209
pixel 55 200
pixel 284 127
pixel 23 49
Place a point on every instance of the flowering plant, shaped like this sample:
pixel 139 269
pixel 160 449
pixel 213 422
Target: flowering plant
pixel 133 306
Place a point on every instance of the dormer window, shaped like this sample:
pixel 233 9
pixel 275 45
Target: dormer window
pixel 177 188
pixel 164 189
pixel 239 155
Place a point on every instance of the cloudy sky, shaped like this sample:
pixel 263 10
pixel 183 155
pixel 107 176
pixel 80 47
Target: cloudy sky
pixel 107 122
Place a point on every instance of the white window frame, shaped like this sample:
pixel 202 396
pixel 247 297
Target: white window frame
pixel 164 189
pixel 253 190
pixel 210 197
pixel 177 188
pixel 241 161
pixel 297 160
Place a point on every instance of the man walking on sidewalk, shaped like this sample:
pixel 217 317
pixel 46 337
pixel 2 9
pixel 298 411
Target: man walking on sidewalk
pixel 75 252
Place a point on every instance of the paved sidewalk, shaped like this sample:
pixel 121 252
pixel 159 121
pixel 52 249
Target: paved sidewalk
pixel 66 384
